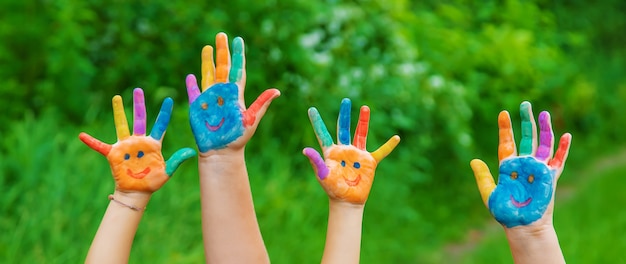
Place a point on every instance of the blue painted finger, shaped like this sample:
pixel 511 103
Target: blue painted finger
pixel 343 122
pixel 163 119
pixel 178 158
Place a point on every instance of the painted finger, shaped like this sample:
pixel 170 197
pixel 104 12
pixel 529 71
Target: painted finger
pixel 362 127
pixel 238 68
pixel 546 137
pixel 222 65
pixel 343 122
pixel 386 148
pixel 317 162
pixel 257 109
pixel 139 113
pixel 561 153
pixel 528 143
pixel 163 119
pixel 121 124
pixel 192 88
pixel 95 144
pixel 484 179
pixel 207 69
pixel 172 164
pixel 506 144
pixel 321 132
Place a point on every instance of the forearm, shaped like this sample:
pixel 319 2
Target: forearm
pixel 114 238
pixel 229 225
pixel 534 244
pixel 343 236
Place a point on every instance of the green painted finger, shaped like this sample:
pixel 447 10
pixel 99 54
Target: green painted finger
pixel 528 129
pixel 178 158
pixel 321 132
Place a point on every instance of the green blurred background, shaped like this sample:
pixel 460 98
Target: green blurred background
pixel 434 72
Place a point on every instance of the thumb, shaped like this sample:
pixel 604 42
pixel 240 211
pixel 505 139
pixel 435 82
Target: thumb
pixel 484 179
pixel 178 158
pixel 317 162
pixel 259 106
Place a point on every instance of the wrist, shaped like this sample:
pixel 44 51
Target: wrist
pixel 222 153
pixel 137 200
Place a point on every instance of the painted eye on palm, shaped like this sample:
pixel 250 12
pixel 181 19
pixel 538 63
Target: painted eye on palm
pixel 215 117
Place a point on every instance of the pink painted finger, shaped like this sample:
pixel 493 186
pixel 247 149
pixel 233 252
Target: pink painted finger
pixel 317 162
pixel 546 137
pixel 561 153
pixel 259 106
pixel 139 113
pixel 360 134
pixel 95 144
pixel 192 88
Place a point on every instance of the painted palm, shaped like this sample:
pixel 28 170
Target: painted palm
pixel 347 170
pixel 526 183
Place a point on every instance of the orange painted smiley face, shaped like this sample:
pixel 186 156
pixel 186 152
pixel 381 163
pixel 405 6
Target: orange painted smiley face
pixel 351 173
pixel 137 164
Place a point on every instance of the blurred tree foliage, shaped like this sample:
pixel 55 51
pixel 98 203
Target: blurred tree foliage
pixel 435 72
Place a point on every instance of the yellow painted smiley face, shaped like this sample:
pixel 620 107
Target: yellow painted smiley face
pixel 351 173
pixel 137 164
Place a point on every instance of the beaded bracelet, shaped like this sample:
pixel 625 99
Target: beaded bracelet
pixel 132 207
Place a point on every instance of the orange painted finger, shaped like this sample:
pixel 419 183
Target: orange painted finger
pixel 208 68
pixel 506 145
pixel 95 144
pixel 222 65
pixel 484 179
pixel 386 148
pixel 360 135
pixel 121 124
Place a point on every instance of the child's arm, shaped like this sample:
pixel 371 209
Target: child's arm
pixel 222 126
pixel 346 173
pixel 139 170
pixel 523 200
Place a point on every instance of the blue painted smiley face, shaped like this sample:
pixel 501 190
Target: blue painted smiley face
pixel 215 117
pixel 523 192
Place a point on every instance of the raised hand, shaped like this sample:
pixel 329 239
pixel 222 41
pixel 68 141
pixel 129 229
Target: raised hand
pixel 218 115
pixel 526 183
pixel 347 171
pixel 136 160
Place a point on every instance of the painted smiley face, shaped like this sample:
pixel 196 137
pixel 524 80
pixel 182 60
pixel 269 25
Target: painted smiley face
pixel 523 192
pixel 137 164
pixel 215 117
pixel 352 173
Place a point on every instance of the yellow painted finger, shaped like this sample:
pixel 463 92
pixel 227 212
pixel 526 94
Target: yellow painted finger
pixel 208 68
pixel 484 179
pixel 386 148
pixel 121 124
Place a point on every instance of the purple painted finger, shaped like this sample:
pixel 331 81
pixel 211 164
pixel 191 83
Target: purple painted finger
pixel 139 113
pixel 192 88
pixel 546 137
pixel 317 162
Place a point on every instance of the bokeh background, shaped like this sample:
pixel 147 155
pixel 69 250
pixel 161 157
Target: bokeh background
pixel 437 73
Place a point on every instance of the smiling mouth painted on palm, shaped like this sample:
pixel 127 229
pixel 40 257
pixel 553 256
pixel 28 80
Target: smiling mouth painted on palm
pixel 522 204
pixel 138 175
pixel 216 127
pixel 354 182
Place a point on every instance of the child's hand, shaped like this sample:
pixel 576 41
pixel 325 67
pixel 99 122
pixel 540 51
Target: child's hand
pixel 218 115
pixel 136 160
pixel 526 184
pixel 347 171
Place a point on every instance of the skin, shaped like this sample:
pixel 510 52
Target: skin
pixel 222 126
pixel 523 199
pixel 346 173
pixel 138 169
